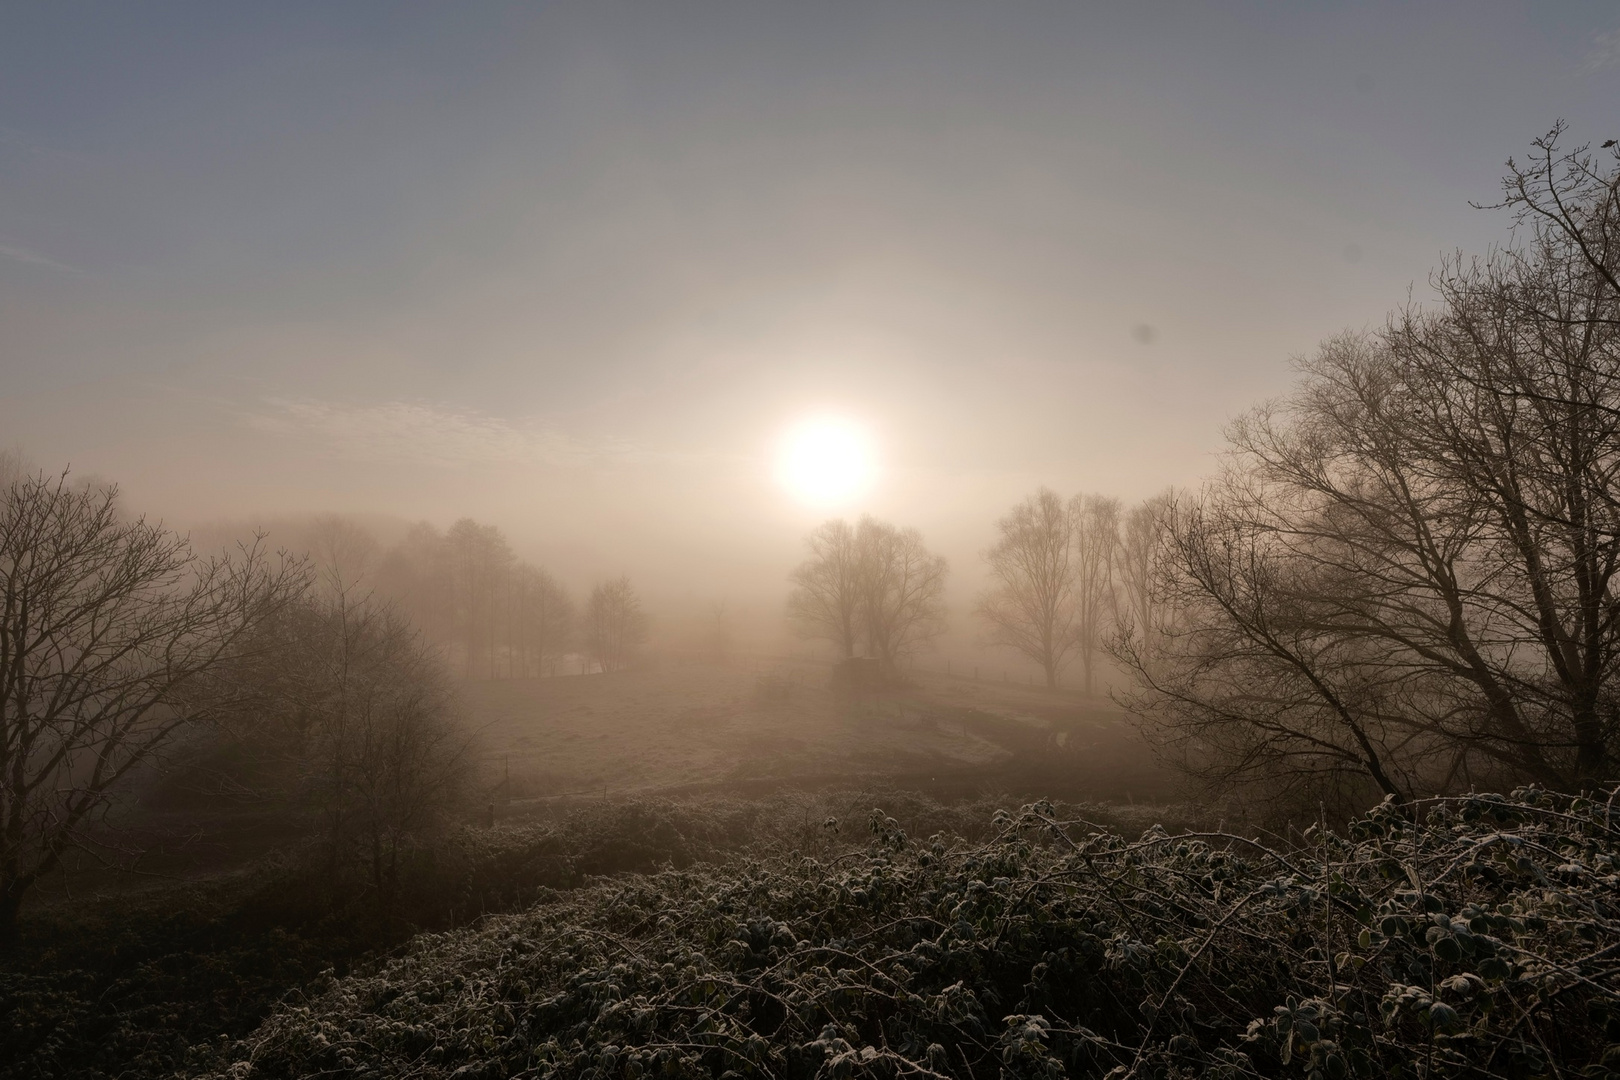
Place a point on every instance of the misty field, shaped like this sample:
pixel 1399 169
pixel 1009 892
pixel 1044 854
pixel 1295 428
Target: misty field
pixel 756 725
pixel 809 542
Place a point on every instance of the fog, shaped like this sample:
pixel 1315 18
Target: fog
pixel 572 270
pixel 605 481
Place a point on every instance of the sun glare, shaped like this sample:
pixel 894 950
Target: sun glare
pixel 826 460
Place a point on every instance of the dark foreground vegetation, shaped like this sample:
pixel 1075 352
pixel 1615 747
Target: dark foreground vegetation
pixel 153 983
pixel 1482 940
pixel 776 939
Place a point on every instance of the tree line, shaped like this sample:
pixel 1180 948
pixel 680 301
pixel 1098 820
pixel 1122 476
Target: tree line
pixel 491 614
pixel 1065 574
pixel 304 682
pixel 497 615
pixel 1402 581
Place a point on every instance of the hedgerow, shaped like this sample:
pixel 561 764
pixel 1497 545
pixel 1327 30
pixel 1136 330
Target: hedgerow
pixel 1482 938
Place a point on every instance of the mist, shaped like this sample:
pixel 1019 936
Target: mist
pixel 926 539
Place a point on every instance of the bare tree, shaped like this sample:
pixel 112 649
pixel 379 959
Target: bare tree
pixel 356 710
pixel 1033 604
pixel 827 588
pixel 1096 546
pixel 1141 548
pixel 341 551
pixel 396 758
pixel 480 561
pixel 109 632
pixel 545 618
pixel 1567 197
pixel 1417 553
pixel 901 589
pixel 416 574
pixel 1253 683
pixel 614 624
pixel 871 587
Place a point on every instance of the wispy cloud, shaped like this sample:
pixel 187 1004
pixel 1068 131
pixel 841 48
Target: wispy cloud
pixel 18 253
pixel 407 432
pixel 1605 53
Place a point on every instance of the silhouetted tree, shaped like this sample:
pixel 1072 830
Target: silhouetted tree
pixel 827 588
pixel 545 619
pixel 1096 546
pixel 480 562
pixel 415 573
pixel 871 587
pixel 614 624
pixel 1408 569
pixel 1031 607
pixel 902 585
pixel 110 629
pixel 355 706
pixel 1141 547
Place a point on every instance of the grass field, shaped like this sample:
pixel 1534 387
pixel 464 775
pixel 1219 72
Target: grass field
pixel 753 726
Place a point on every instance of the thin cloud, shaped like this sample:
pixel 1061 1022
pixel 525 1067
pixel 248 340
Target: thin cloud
pixel 406 432
pixel 18 253
pixel 1605 53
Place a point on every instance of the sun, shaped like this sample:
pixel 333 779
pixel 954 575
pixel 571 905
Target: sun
pixel 825 460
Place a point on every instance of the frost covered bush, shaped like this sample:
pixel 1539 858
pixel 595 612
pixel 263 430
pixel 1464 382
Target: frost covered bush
pixel 1482 939
pixel 137 986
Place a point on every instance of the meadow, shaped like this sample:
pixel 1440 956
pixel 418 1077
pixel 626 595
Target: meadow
pixel 755 725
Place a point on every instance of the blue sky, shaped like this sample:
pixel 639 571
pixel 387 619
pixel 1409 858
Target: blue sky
pixel 570 267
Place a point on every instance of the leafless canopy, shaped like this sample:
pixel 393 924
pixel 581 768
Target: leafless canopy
pixel 826 597
pixel 873 587
pixel 614 624
pixel 342 691
pixel 493 614
pixel 1406 574
pixel 109 632
pixel 1096 549
pixel 1032 606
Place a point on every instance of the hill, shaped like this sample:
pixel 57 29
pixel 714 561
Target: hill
pixel 1481 940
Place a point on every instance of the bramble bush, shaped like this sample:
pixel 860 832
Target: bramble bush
pixel 126 985
pixel 1481 938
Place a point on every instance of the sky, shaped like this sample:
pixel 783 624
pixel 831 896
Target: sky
pixel 573 269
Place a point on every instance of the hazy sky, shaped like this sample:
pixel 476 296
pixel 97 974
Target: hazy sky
pixel 571 268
